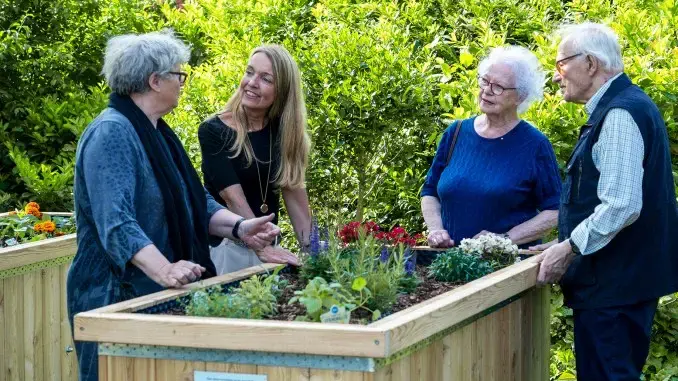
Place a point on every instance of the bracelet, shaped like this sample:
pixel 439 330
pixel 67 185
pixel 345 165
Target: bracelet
pixel 234 232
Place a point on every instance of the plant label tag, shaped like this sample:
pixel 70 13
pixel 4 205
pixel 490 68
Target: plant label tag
pixel 336 315
pixel 216 376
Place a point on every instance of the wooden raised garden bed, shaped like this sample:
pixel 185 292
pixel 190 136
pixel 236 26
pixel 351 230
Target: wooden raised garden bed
pixel 494 328
pixel 35 336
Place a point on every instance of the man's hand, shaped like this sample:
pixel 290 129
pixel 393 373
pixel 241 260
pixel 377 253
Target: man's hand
pixel 271 254
pixel 177 274
pixel 543 246
pixel 440 238
pixel 259 232
pixel 554 262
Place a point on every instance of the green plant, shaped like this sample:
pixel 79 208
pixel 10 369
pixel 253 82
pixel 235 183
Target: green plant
pixel 255 298
pixel 319 296
pixel 456 266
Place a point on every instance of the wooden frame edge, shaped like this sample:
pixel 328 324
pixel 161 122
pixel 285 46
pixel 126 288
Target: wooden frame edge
pixel 231 334
pixel 419 322
pixel 33 252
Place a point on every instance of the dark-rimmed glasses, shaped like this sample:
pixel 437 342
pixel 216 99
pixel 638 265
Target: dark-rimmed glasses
pixel 561 62
pixel 496 88
pixel 182 76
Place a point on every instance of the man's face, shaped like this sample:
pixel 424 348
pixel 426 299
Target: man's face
pixel 573 74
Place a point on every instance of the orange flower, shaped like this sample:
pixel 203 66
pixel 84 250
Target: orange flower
pixel 38 227
pixel 48 226
pixel 34 211
pixel 32 204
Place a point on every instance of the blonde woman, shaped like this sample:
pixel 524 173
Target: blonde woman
pixel 256 149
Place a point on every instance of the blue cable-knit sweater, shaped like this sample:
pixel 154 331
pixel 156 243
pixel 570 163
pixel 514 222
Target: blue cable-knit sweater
pixel 493 184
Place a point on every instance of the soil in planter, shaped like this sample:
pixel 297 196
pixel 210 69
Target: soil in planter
pixel 427 289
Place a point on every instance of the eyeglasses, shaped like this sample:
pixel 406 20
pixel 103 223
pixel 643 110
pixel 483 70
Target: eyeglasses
pixel 496 88
pixel 182 76
pixel 560 63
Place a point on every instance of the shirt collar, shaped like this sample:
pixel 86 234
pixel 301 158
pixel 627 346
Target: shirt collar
pixel 593 102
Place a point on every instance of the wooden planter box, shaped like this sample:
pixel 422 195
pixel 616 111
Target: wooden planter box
pixel 495 328
pixel 35 336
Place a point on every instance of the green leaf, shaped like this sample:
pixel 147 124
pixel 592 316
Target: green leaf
pixel 465 58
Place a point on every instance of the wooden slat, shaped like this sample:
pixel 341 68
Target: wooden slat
pixel 69 360
pixel 527 338
pixel 502 350
pixel 276 373
pixel 176 370
pixel 121 368
pixel 144 369
pixel 103 368
pixel 52 322
pixel 234 334
pixel 452 356
pixel 33 252
pixel 32 332
pixel 515 351
pixel 230 368
pixel 170 294
pixel 14 326
pixel 334 375
pixel 455 306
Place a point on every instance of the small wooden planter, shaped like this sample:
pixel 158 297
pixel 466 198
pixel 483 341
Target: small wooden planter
pixel 495 328
pixel 35 336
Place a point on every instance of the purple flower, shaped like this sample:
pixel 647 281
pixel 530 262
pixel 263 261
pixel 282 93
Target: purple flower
pixel 384 255
pixel 315 239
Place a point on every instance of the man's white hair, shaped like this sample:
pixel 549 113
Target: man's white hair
pixel 527 72
pixel 596 40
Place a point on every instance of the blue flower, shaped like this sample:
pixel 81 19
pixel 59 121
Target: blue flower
pixel 410 262
pixel 384 255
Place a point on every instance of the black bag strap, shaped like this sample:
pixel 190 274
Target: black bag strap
pixel 454 142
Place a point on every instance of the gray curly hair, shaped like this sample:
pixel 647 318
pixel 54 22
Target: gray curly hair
pixel 527 72
pixel 130 59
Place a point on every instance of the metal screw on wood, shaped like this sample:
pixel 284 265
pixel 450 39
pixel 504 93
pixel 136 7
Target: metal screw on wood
pixel 69 349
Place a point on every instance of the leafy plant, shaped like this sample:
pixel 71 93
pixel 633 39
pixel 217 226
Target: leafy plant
pixel 456 266
pixel 30 225
pixel 255 298
pixel 319 296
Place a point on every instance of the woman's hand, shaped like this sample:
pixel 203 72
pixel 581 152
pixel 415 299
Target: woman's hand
pixel 440 238
pixel 259 232
pixel 177 274
pixel 271 254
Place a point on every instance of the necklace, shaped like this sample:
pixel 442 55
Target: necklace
pixel 264 207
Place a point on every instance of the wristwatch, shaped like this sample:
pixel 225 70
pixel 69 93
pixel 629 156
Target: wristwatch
pixel 575 249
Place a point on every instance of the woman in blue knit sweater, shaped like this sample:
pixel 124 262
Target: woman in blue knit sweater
pixel 502 176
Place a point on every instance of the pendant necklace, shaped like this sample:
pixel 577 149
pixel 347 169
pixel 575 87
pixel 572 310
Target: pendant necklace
pixel 264 207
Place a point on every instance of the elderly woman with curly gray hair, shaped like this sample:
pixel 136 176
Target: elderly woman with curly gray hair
pixel 495 172
pixel 144 220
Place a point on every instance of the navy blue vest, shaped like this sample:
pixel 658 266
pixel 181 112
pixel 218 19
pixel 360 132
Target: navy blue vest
pixel 641 261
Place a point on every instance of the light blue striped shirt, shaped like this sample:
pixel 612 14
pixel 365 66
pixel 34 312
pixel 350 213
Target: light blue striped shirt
pixel 618 155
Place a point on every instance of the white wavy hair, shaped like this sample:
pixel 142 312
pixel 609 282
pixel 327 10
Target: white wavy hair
pixel 528 74
pixel 596 40
pixel 130 59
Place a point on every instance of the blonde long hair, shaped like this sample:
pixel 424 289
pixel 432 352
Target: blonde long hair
pixel 289 107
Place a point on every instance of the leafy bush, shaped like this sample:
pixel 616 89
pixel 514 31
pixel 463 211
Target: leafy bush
pixel 456 266
pixel 255 298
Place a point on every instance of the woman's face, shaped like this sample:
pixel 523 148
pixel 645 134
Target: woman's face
pixel 170 88
pixel 257 86
pixel 497 91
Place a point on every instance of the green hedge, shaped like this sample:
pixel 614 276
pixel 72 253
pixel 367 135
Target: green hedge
pixel 382 80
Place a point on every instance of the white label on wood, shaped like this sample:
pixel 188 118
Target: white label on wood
pixel 216 376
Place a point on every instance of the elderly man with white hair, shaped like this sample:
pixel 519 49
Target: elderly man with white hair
pixel 495 172
pixel 617 251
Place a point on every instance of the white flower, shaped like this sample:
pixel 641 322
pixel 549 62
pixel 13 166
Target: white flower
pixel 488 245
